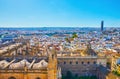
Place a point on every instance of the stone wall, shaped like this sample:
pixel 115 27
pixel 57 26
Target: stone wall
pixel 82 66
pixel 23 75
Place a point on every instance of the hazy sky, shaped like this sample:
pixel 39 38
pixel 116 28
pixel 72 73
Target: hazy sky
pixel 65 13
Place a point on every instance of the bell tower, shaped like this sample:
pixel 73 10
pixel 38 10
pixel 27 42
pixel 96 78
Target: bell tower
pixel 102 25
pixel 52 64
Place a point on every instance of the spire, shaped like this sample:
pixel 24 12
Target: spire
pixel 52 64
pixel 59 75
pixel 25 67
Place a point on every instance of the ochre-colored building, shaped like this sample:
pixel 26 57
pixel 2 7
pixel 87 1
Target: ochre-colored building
pixel 29 67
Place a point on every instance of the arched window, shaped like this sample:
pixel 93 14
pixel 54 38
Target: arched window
pixel 88 62
pixel 38 78
pixel 70 62
pixel 52 56
pixel 58 62
pixel 94 62
pixel 82 62
pixel 76 75
pixel 64 62
pixel 11 77
pixel 76 62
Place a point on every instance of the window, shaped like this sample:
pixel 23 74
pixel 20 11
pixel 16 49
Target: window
pixel 82 62
pixel 11 77
pixel 76 62
pixel 76 75
pixel 52 56
pixel 58 63
pixel 88 62
pixel 70 62
pixel 64 62
pixel 94 62
pixel 38 78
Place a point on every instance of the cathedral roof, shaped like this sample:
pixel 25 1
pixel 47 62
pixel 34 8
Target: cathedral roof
pixel 22 63
pixel 3 63
pixel 40 64
pixel 19 65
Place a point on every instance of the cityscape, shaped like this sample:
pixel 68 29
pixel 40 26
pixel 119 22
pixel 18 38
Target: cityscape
pixel 60 48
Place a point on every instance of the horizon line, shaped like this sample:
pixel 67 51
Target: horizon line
pixel 57 27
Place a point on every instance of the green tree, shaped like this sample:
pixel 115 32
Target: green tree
pixel 74 35
pixel 68 40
